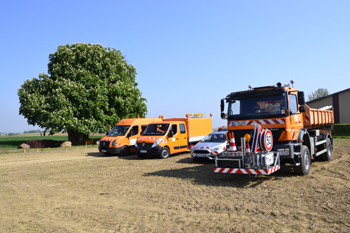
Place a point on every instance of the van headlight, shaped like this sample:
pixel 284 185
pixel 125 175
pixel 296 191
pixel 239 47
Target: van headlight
pixel 156 142
pixel 114 142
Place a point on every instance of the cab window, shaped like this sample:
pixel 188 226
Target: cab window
pixel 143 128
pixel 182 128
pixel 174 129
pixel 134 130
pixel 293 104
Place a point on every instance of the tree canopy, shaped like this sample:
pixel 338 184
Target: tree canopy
pixel 320 92
pixel 87 87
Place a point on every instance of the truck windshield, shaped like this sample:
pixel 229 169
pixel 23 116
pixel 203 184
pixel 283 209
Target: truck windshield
pixel 119 130
pixel 263 106
pixel 156 129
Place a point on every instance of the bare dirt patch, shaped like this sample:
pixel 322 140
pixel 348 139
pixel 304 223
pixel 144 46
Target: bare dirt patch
pixel 80 190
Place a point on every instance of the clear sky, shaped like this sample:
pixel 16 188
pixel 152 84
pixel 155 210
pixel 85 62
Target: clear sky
pixel 188 53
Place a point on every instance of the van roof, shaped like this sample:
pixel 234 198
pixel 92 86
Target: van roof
pixel 130 121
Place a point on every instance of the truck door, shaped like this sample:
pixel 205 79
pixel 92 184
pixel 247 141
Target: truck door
pixel 179 140
pixel 295 116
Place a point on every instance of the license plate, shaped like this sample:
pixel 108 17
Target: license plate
pixel 143 151
pixel 200 155
pixel 103 151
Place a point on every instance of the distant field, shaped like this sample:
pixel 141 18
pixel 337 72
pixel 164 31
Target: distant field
pixel 13 141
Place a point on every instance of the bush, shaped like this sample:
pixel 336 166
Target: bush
pixel 341 129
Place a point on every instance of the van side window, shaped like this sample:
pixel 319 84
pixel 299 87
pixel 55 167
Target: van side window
pixel 134 130
pixel 182 128
pixel 174 129
pixel 293 103
pixel 143 128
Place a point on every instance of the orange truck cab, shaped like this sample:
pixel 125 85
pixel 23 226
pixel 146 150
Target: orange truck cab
pixel 172 135
pixel 122 138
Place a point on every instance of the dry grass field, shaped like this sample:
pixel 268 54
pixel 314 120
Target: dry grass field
pixel 81 190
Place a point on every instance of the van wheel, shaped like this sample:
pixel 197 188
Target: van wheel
pixel 165 153
pixel 327 156
pixel 125 151
pixel 305 163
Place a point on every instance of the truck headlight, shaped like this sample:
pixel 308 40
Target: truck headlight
pixel 114 142
pixel 284 151
pixel 156 142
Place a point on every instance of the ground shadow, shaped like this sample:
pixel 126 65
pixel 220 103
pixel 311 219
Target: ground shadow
pixel 203 174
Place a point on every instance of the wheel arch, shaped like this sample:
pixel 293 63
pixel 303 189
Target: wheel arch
pixel 304 139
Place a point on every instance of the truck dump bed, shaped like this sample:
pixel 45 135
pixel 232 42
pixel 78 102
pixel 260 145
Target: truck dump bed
pixel 313 117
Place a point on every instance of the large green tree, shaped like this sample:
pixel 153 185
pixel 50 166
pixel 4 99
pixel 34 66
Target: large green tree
pixel 86 88
pixel 320 92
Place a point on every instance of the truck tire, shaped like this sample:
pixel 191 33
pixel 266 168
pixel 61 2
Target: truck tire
pixel 305 163
pixel 125 151
pixel 327 156
pixel 165 153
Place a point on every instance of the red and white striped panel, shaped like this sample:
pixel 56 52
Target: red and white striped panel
pixel 247 171
pixel 106 140
pixel 164 141
pixel 307 117
pixel 262 122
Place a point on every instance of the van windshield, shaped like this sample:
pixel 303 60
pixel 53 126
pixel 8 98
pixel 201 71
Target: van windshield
pixel 119 130
pixel 156 129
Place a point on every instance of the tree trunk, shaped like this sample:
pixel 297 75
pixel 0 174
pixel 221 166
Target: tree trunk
pixel 77 138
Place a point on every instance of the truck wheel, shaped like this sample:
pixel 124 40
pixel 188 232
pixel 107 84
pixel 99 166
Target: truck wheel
pixel 165 153
pixel 305 163
pixel 327 156
pixel 125 151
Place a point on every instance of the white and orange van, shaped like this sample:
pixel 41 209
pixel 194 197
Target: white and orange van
pixel 122 138
pixel 172 135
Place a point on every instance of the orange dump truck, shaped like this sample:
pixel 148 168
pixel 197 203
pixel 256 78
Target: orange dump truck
pixel 270 124
pixel 172 135
pixel 122 138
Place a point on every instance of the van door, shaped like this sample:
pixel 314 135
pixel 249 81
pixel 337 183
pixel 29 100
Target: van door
pixel 179 139
pixel 133 135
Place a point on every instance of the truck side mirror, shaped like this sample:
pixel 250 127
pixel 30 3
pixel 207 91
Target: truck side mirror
pixel 222 105
pixel 301 98
pixel 302 109
pixel 170 134
pixel 223 115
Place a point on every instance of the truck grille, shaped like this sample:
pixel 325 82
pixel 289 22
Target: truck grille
pixel 276 133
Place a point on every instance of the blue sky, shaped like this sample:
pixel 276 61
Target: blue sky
pixel 188 54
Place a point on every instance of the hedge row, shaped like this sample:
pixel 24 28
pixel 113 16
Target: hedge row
pixel 341 129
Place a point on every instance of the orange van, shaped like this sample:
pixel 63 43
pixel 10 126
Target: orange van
pixel 122 138
pixel 172 135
